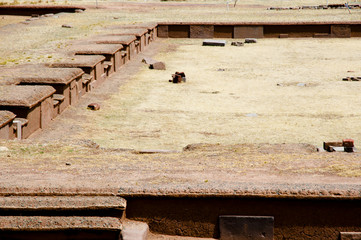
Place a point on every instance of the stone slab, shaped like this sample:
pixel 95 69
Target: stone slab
pixel 212 42
pixel 248 32
pixel 41 223
pixel 246 227
pixel 61 202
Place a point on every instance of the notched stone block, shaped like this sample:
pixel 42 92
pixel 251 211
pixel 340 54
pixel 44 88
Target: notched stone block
pixel 246 227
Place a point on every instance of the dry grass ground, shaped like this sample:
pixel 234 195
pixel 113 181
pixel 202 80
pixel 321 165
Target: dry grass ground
pixel 275 91
pixel 41 40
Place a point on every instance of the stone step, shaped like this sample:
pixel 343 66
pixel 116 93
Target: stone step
pixel 61 217
pixel 62 228
pixel 62 206
pixel 48 223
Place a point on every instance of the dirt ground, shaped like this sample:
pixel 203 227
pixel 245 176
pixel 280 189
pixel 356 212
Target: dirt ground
pixel 275 91
pixel 141 110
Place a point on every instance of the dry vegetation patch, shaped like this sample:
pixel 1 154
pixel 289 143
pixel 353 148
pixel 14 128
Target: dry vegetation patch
pixel 275 91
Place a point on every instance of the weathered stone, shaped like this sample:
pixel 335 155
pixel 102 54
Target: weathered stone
pixel 283 35
pixel 212 42
pixel 163 31
pixel 350 235
pixel 66 26
pixel 133 230
pixel 341 31
pixel 157 66
pixel 250 40
pixel 201 31
pixel 237 44
pixel 94 106
pixel 321 35
pixel 348 143
pixel 328 145
pixel 246 227
pixel 248 32
pixel 178 77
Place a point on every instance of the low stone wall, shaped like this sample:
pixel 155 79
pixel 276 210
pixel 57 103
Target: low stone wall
pixel 36 10
pixel 259 30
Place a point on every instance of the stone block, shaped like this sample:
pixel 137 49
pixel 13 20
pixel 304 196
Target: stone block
pixel 163 31
pixel 248 32
pixel 133 230
pixel 94 106
pixel 237 44
pixel 212 42
pixel 178 31
pixel 341 31
pixel 246 227
pixel 348 143
pixel 250 40
pixel 223 31
pixel 328 145
pixel 350 235
pixel 321 35
pixel 201 31
pixel 157 66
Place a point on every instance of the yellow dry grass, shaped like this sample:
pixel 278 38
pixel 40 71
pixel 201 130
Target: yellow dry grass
pixel 250 94
pixel 43 40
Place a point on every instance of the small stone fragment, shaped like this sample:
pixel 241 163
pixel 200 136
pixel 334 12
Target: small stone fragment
pixel 4 149
pixel 237 44
pixel 301 84
pixel 68 164
pixel 250 40
pixel 251 115
pixel 66 26
pixel 94 106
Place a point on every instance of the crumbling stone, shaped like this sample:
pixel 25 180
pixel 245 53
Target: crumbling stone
pixel 250 40
pixel 94 106
pixel 347 145
pixel 153 64
pixel 237 44
pixel 178 77
pixel 356 79
pixel 66 26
